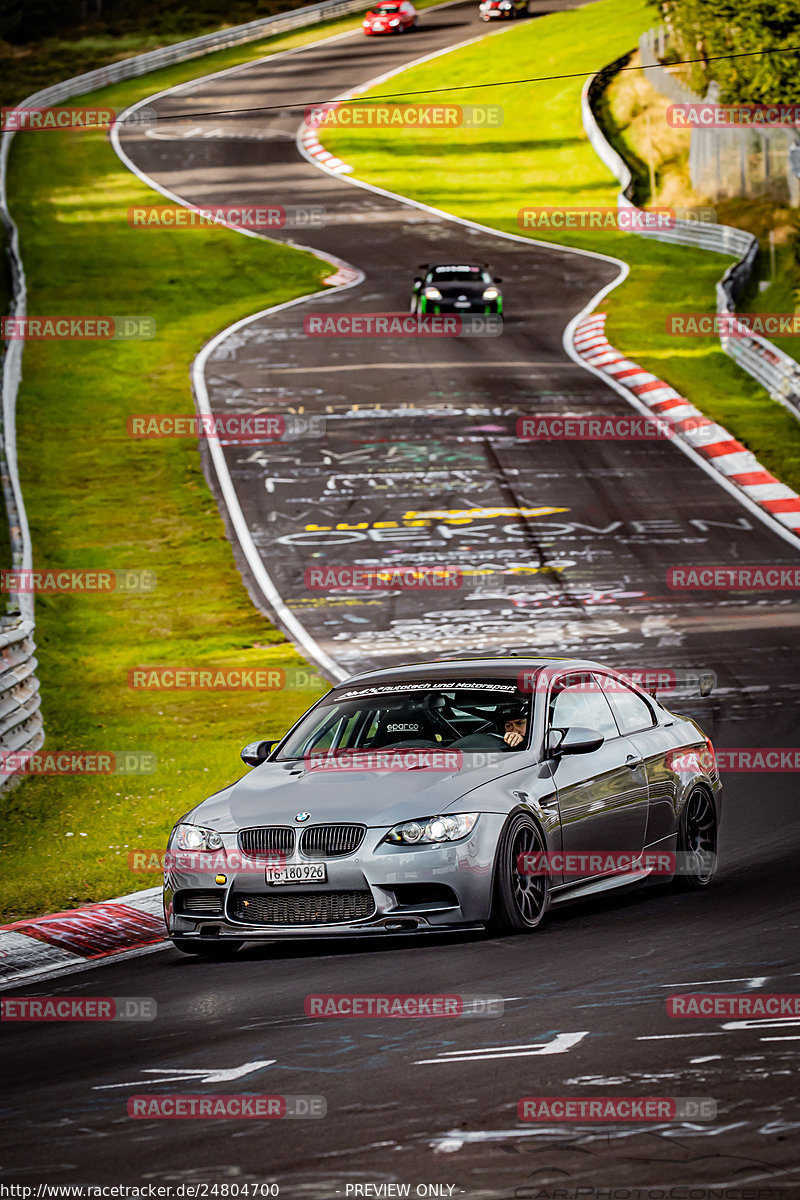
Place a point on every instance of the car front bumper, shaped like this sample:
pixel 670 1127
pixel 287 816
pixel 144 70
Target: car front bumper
pixel 423 889
pixel 478 306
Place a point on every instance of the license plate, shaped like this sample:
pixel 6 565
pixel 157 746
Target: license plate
pixel 298 873
pixel 461 304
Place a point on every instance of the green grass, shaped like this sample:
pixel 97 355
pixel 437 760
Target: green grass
pixel 95 498
pixel 540 156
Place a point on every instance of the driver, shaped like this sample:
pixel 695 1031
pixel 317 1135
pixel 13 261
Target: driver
pixel 515 725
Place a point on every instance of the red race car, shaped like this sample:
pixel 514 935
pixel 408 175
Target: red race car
pixel 391 16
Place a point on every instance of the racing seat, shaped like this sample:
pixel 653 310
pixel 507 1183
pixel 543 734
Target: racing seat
pixel 406 727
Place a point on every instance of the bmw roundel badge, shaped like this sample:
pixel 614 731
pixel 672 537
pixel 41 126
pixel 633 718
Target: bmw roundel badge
pixel 301 816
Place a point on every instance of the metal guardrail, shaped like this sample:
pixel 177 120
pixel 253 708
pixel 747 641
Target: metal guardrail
pixel 21 725
pixel 20 718
pixel 771 367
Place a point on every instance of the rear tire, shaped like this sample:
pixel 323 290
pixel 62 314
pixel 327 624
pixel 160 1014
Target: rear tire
pixel 207 949
pixel 519 902
pixel 697 836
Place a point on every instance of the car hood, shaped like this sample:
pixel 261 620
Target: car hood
pixel 273 793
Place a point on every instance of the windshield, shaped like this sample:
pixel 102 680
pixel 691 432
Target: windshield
pixel 461 714
pixel 459 275
pixel 385 10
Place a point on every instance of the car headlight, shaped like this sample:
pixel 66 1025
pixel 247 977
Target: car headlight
pixel 394 21
pixel 492 293
pixel 195 837
pixel 432 293
pixel 505 3
pixel 432 829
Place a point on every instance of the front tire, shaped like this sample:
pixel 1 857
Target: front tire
pixel 519 902
pixel 697 840
pixel 207 949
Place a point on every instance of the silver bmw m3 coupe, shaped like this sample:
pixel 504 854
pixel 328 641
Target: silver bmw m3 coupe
pixel 464 794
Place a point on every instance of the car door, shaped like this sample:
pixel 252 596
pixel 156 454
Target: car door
pixel 636 719
pixel 602 795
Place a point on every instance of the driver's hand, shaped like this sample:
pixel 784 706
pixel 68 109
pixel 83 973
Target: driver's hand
pixel 513 738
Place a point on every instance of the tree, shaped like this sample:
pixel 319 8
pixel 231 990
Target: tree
pixel 706 29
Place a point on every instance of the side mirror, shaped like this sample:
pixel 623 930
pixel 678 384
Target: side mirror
pixel 257 752
pixel 573 741
pixel 707 681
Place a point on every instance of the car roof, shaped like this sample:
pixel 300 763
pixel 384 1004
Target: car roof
pixel 457 267
pixel 494 667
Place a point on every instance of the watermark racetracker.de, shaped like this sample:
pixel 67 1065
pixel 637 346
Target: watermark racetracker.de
pixel 58 119
pixel 744 577
pixel 234 427
pixel 77 762
pixel 78 327
pixel 228 1107
pixel 396 1005
pixel 733 325
pixel 732 116
pixel 360 114
pixel 258 217
pixel 51 581
pixel 221 679
pixel 375 324
pixel 78 1008
pixel 616 1108
pixel 748 1005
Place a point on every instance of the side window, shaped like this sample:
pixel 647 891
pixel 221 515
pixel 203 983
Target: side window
pixel 631 710
pixel 578 700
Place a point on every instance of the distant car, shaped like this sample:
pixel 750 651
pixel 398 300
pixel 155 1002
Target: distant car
pixel 503 10
pixel 456 288
pixel 391 16
pixel 419 798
